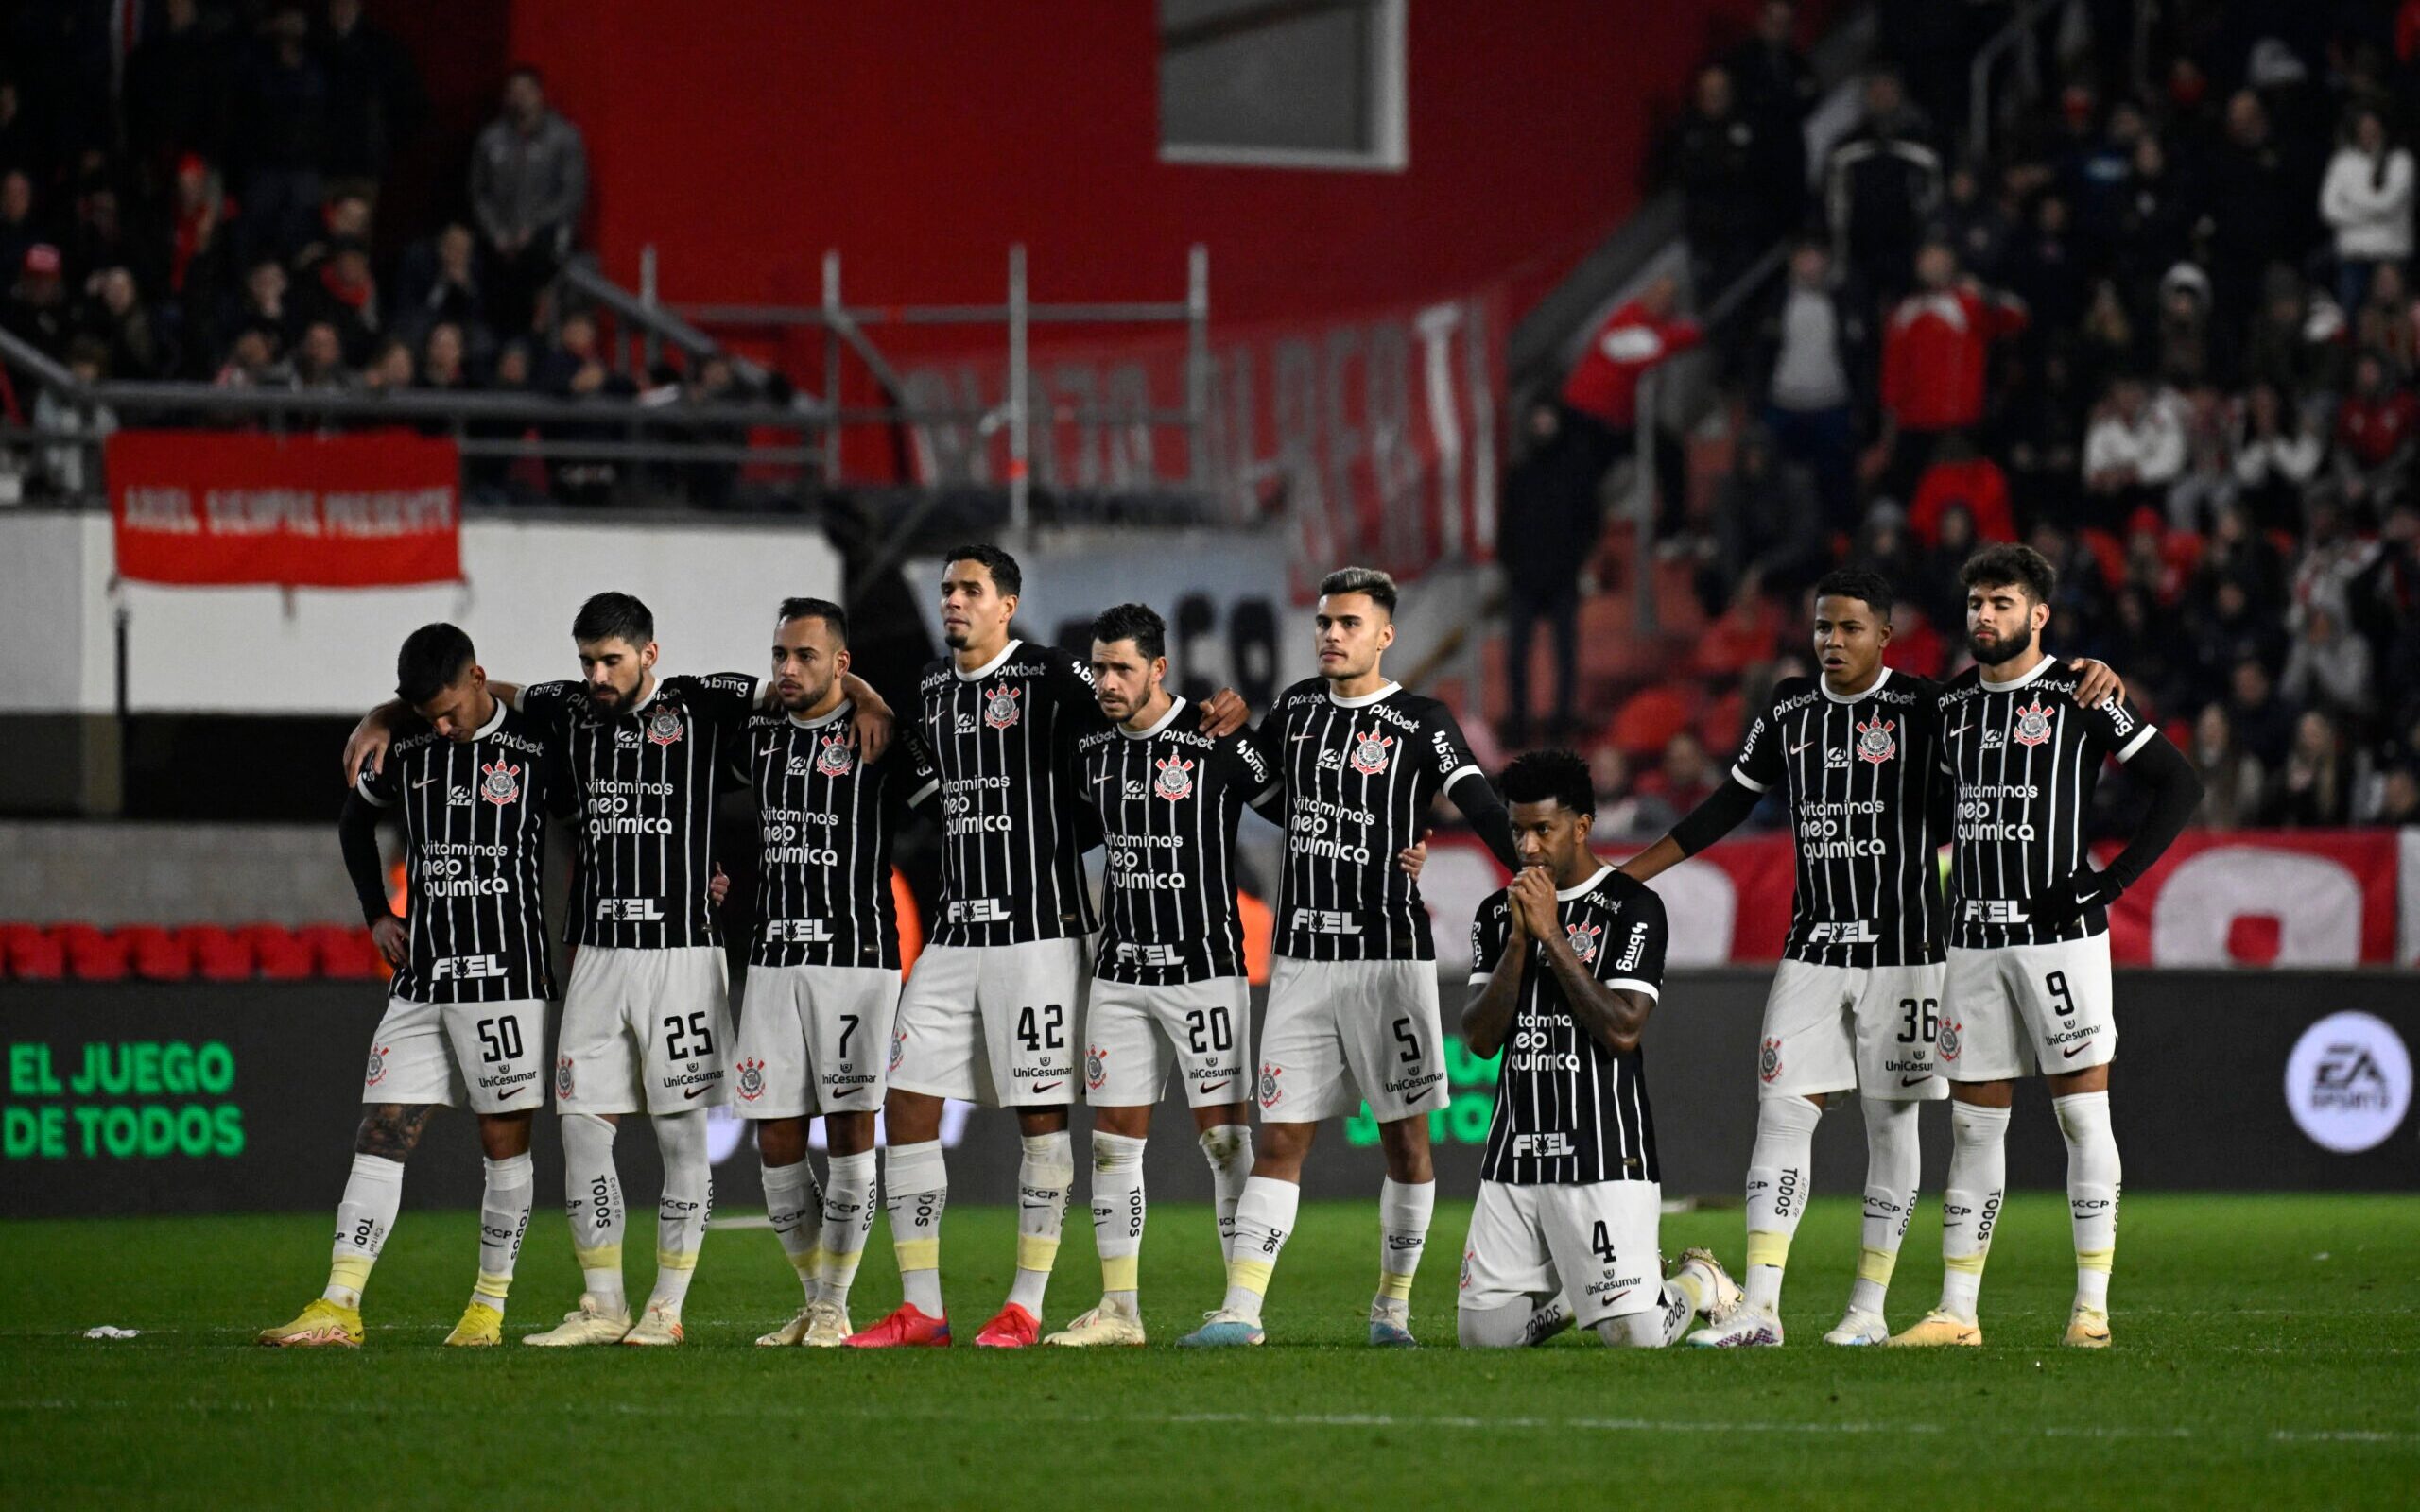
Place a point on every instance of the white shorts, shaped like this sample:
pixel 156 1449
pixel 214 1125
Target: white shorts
pixel 993 1024
pixel 1132 1034
pixel 2022 1009
pixel 491 1054
pixel 1594 1243
pixel 813 1039
pixel 1342 1031
pixel 1839 1029
pixel 644 1030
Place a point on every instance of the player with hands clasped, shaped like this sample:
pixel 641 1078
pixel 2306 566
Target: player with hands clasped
pixel 1567 965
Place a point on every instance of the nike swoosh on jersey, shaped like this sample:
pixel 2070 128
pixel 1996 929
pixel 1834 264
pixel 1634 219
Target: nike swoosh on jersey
pixel 424 782
pixel 1800 747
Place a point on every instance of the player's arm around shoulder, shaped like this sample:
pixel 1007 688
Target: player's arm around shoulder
pixel 1500 953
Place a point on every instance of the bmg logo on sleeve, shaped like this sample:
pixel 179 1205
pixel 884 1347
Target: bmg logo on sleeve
pixel 2349 1082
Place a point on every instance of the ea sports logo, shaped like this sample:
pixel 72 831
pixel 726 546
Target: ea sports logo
pixel 1000 707
pixel 1875 741
pixel 833 758
pixel 2032 725
pixel 751 1080
pixel 2349 1082
pixel 499 784
pixel 1368 755
pixel 1173 779
pixel 663 727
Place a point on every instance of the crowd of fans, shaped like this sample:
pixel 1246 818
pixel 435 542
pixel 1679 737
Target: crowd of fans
pixel 2166 333
pixel 210 215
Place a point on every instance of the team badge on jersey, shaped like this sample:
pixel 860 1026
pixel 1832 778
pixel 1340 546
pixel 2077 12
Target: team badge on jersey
pixel 1174 780
pixel 1875 741
pixel 1583 941
pixel 1095 1068
pixel 499 784
pixel 1768 1061
pixel 563 1077
pixel 1368 755
pixel 1271 1092
pixel 376 1070
pixel 663 727
pixel 832 758
pixel 1946 1046
pixel 751 1080
pixel 2032 725
pixel 1000 707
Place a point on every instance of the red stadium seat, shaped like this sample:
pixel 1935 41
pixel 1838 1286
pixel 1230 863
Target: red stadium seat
pixel 281 956
pixel 341 953
pixel 29 952
pixel 154 954
pixel 1652 716
pixel 93 955
pixel 1720 726
pixel 218 955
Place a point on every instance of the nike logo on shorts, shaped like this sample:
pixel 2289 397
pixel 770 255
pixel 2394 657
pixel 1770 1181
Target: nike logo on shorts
pixel 1049 1086
pixel 849 1092
pixel 1916 1081
pixel 693 1093
pixel 2072 1051
pixel 510 1092
pixel 1220 1086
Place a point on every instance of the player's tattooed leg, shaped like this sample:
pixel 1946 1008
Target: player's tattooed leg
pixel 391 1130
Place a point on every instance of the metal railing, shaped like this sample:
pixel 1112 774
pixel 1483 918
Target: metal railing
pixel 2021 35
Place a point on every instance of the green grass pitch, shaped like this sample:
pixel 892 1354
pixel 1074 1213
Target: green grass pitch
pixel 2268 1355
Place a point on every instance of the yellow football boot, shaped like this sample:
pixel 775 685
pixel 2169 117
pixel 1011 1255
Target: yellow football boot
pixel 481 1325
pixel 1938 1328
pixel 322 1323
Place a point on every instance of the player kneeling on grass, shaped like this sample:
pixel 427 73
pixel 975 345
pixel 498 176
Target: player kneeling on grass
pixel 466 1019
pixel 1565 965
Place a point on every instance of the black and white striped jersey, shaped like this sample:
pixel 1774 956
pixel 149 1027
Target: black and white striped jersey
pixel 1567 1109
pixel 1858 774
pixel 825 820
pixel 644 782
pixel 1361 775
pixel 2026 758
pixel 1168 798
pixel 475 846
pixel 1013 816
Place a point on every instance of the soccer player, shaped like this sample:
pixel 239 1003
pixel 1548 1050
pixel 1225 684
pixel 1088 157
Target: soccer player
pixel 1353 992
pixel 646 1019
pixel 466 1015
pixel 1855 1003
pixel 823 961
pixel 2029 988
pixel 1567 964
pixel 991 1013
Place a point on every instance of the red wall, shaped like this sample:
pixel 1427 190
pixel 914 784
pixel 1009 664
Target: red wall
pixel 920 139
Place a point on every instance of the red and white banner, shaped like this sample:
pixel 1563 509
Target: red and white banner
pixel 2248 897
pixel 342 511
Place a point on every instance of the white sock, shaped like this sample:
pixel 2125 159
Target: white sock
pixel 915 1195
pixel 504 1218
pixel 2093 1178
pixel 1778 1173
pixel 1228 1148
pixel 1970 1202
pixel 372 1193
pixel 1046 1173
pixel 1264 1217
pixel 1117 1215
pixel 1660 1324
pixel 795 1208
pixel 687 1202
pixel 593 1199
pixel 1894 1169
pixel 848 1219
pixel 1404 1208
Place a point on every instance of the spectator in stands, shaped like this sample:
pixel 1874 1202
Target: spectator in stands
pixel 374 99
pixel 2150 644
pixel 1722 164
pixel 2252 209
pixel 18 229
pixel 2328 667
pixel 1546 538
pixel 36 312
pixel 2319 777
pixel 2298 343
pixel 71 465
pixel 2367 201
pixel 2233 784
pixel 1978 227
pixel 347 216
pixel 177 83
pixel 319 361
pixel 281 101
pixel 1816 348
pixel 528 182
pixel 200 248
pixel 2154 224
pixel 2047 269
pixel 113 317
pixel 97 238
pixel 2398 797
pixel 2374 439
pixel 388 370
pixel 2207 484
pixel 341 292
pixel 444 364
pixel 712 484
pixel 2388 322
pixel 2265 726
pixel 2185 353
pixel 2044 437
pixel 1939 596
pixel 576 369
pixel 2276 456
pixel 1881 186
pixel 254 361
pixel 1682 779
pixel 1934 354
pixel 438 280
pixel 1962 478
pixel 492 477
pixel 1601 414
pixel 2133 451
pixel 1768 529
pixel 1777 90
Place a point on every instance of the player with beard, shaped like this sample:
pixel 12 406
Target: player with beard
pixel 2029 985
pixel 1353 992
pixel 1855 1003
pixel 646 1020
pixel 824 958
